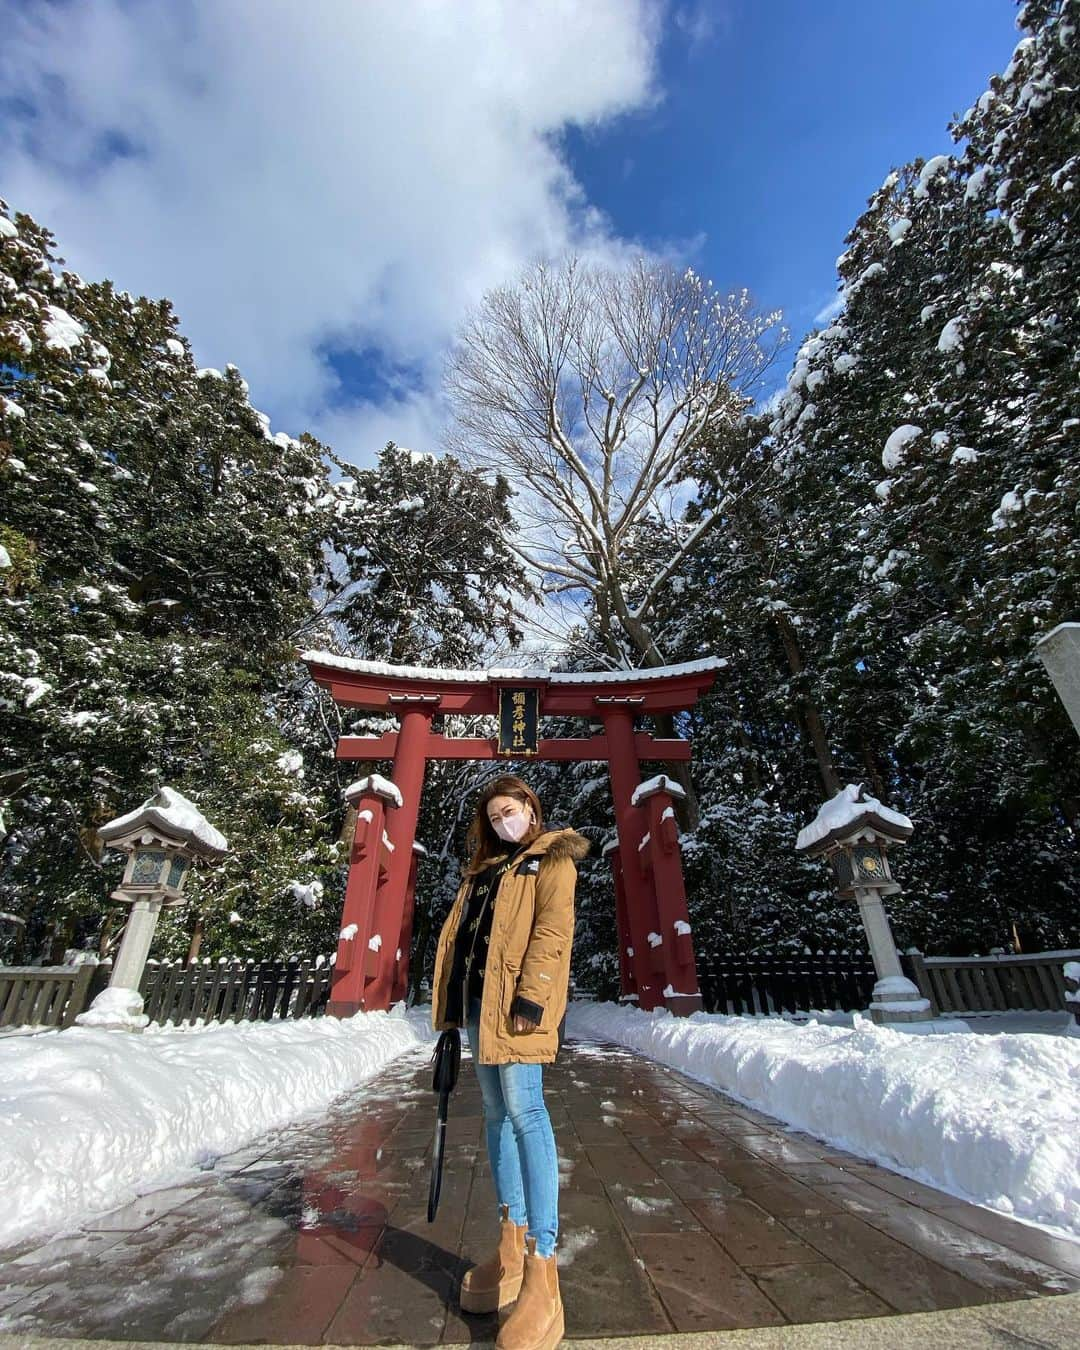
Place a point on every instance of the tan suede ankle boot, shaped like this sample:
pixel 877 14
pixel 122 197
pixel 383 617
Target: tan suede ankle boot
pixel 537 1321
pixel 495 1282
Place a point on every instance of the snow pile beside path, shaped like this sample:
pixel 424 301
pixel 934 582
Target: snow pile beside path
pixel 89 1119
pixel 991 1119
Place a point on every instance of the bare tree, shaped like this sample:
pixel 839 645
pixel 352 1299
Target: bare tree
pixel 588 388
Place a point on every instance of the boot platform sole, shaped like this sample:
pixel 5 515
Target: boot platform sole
pixel 490 1300
pixel 553 1335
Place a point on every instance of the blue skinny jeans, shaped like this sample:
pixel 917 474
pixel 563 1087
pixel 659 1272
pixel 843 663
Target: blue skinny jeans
pixel 520 1141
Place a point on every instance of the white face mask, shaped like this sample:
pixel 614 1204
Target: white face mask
pixel 512 828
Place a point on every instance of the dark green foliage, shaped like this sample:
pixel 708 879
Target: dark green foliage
pixel 420 571
pixel 896 586
pixel 163 549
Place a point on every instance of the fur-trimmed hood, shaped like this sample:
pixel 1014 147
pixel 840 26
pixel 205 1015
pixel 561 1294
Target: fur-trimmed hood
pixel 559 844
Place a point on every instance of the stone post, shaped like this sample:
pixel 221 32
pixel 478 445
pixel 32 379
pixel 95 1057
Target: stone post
pixel 1059 651
pixel 130 962
pixel 896 998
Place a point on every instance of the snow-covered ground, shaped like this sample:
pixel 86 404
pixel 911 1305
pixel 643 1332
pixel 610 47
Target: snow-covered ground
pixel 89 1119
pixel 994 1119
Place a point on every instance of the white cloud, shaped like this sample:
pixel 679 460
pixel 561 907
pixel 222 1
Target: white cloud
pixel 830 311
pixel 345 174
pixel 357 433
pixel 698 22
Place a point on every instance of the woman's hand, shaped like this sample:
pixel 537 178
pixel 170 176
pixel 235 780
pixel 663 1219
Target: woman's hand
pixel 523 1023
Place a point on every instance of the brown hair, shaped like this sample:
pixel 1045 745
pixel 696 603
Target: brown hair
pixel 481 840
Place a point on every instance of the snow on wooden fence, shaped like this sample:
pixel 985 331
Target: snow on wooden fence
pixel 740 984
pixel 988 984
pixel 211 991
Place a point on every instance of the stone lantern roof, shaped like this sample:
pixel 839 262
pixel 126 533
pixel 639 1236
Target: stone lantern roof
pixel 847 815
pixel 168 815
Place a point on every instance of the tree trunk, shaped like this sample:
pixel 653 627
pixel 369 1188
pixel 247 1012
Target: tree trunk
pixel 63 932
pixel 873 769
pixel 196 940
pixel 421 933
pixel 752 768
pixel 688 811
pixel 812 719
pixel 108 924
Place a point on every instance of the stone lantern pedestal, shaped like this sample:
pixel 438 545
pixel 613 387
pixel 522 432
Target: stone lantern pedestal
pixel 161 838
pixel 853 832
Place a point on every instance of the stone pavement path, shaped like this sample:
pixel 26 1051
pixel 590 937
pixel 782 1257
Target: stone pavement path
pixel 681 1210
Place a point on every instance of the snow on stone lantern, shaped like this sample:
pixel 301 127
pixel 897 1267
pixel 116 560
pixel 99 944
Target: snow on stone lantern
pixel 161 838
pixel 853 833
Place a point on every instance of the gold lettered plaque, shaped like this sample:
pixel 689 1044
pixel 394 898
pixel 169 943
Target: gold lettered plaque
pixel 519 721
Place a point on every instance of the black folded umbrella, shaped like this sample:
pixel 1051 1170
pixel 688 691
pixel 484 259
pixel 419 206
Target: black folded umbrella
pixel 447 1060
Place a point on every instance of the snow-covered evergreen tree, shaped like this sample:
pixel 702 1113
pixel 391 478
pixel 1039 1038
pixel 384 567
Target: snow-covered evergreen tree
pixel 162 548
pixel 419 570
pixel 927 504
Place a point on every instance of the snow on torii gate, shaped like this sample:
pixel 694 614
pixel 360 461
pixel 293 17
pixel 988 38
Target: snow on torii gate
pixel 656 955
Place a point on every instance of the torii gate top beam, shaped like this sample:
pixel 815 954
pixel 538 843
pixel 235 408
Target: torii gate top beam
pixel 378 687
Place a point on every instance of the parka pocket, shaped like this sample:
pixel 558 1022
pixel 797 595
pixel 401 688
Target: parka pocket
pixel 510 978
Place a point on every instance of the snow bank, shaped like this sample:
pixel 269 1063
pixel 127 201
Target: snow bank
pixel 116 1007
pixel 89 1119
pixel 990 1119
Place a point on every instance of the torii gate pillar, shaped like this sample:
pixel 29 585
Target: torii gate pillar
pixel 393 899
pixel 641 918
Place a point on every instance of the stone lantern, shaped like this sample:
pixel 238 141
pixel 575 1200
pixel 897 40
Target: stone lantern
pixel 853 833
pixel 161 839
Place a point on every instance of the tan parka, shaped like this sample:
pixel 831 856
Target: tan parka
pixel 532 931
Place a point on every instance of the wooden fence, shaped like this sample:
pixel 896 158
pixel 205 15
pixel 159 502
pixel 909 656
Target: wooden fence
pixel 221 991
pixel 989 984
pixel 43 996
pixel 767 984
pixel 234 991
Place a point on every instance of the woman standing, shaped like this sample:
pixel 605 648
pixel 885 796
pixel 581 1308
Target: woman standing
pixel 502 970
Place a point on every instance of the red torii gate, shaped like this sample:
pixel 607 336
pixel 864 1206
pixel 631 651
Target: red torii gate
pixel 656 954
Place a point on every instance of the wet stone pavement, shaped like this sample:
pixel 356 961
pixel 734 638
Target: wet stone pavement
pixel 680 1210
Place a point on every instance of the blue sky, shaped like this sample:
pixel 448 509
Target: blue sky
pixel 778 122
pixel 324 191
